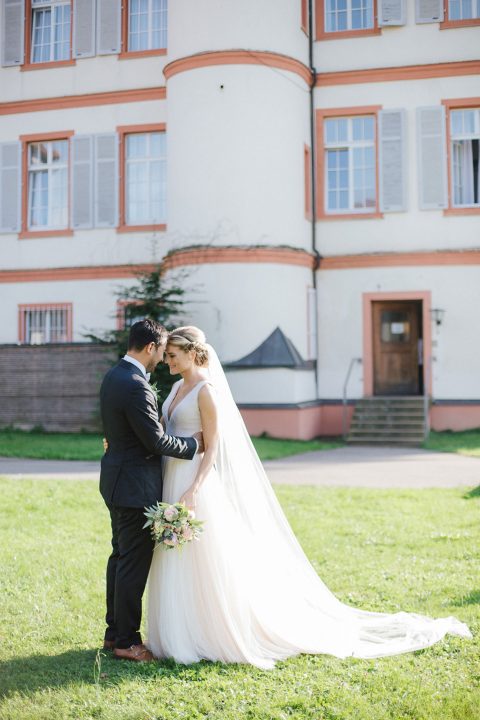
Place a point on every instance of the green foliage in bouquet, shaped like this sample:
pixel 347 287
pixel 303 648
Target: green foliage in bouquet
pixel 172 525
pixel 152 296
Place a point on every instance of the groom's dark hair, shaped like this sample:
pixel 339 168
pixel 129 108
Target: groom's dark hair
pixel 144 332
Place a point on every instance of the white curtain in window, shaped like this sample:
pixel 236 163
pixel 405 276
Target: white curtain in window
pixel 466 172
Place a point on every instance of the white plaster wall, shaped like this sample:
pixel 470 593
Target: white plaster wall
pixel 237 305
pixel 206 25
pixel 236 156
pixel 456 343
pixel 94 304
pixel 240 305
pixel 410 44
pixel 102 73
pixel 276 385
pixel 414 229
pixel 86 247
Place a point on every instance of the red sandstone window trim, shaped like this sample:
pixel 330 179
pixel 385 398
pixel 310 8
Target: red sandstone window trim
pixel 127 54
pixel 307 160
pixel 25 233
pixel 321 114
pixel 123 131
pixel 27 64
pixel 121 307
pixel 304 16
pixel 447 24
pixel 322 34
pixel 23 309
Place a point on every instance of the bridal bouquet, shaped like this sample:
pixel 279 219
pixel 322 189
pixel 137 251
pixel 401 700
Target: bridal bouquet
pixel 172 525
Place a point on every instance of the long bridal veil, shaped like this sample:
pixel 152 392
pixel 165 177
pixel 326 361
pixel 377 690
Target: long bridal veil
pixel 301 613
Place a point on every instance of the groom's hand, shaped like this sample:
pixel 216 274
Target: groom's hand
pixel 199 438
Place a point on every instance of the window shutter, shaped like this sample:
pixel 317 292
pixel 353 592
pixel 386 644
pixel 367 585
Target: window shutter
pixel 12 21
pixel 82 181
pixel 432 162
pixel 106 180
pixel 108 27
pixel 10 186
pixel 84 28
pixel 391 126
pixel 428 11
pixel 391 12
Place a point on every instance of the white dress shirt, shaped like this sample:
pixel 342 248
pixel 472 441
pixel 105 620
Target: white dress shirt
pixel 138 364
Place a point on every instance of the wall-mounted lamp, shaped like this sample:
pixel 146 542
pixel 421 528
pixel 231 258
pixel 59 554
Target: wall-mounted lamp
pixel 437 315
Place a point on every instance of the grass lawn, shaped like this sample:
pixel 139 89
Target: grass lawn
pixel 464 443
pixel 83 446
pixel 376 549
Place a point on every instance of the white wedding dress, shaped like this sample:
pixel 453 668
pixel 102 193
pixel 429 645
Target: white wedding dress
pixel 245 591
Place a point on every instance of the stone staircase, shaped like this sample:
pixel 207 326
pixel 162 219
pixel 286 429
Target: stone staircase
pixel 398 421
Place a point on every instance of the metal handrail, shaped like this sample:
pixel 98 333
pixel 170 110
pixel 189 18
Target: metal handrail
pixel 344 407
pixel 426 396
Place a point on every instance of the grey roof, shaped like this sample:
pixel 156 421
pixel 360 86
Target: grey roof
pixel 276 351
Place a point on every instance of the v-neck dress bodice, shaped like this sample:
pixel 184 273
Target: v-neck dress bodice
pixel 185 417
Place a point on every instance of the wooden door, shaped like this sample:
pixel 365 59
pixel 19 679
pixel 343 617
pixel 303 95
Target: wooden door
pixel 396 348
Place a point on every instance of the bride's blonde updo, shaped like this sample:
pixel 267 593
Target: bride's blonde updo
pixel 190 338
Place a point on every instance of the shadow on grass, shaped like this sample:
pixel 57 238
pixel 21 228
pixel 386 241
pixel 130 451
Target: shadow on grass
pixel 472 598
pixel 88 667
pixel 472 493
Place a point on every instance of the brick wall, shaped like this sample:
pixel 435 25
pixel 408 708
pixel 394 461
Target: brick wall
pixel 52 386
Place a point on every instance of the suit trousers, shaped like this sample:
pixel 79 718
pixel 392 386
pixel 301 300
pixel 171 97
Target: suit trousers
pixel 127 572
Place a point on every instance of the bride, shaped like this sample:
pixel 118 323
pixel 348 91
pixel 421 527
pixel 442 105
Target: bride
pixel 246 592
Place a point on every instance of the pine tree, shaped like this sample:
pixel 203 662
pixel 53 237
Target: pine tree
pixel 151 297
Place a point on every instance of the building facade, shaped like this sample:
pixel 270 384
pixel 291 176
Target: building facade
pixel 311 166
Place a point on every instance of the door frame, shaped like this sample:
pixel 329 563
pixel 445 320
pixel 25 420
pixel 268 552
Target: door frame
pixel 425 296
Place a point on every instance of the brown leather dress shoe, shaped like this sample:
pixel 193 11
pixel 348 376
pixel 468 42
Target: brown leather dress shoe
pixel 108 644
pixel 137 653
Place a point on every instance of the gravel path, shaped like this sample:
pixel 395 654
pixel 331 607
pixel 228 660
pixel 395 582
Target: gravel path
pixel 374 467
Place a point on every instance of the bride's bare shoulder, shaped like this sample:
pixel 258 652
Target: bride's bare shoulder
pixel 207 393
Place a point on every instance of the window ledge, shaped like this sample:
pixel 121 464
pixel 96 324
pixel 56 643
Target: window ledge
pixel 133 54
pixel 28 234
pixel 462 211
pixel 47 65
pixel 449 24
pixel 342 34
pixel 350 216
pixel 140 228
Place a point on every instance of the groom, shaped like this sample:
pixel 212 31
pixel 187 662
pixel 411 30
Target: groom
pixel 130 479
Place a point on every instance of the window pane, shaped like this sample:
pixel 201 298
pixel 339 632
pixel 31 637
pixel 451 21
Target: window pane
pixel 157 144
pixel 395 327
pixel 465 168
pixel 41 35
pixel 456 119
pixel 137 145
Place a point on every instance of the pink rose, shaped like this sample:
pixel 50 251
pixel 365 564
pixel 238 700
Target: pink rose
pixel 171 513
pixel 187 534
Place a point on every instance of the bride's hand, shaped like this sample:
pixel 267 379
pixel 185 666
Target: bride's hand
pixel 189 498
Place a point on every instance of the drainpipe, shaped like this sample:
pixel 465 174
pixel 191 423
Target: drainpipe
pixel 313 183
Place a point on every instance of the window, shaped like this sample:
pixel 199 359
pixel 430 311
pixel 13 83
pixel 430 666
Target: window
pixel 147 25
pixel 463 9
pixel 343 15
pixel 50 31
pixel 350 164
pixel 40 324
pixel 145 156
pixel 465 141
pixel 128 313
pixel 47 185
